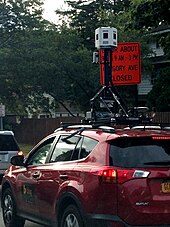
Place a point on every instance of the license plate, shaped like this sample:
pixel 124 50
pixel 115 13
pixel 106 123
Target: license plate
pixel 166 187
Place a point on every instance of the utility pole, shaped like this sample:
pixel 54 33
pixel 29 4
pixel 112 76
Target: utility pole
pixel 2 114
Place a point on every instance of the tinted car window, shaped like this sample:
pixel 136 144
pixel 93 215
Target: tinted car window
pixel 87 146
pixel 140 152
pixel 76 154
pixel 40 154
pixel 64 148
pixel 8 143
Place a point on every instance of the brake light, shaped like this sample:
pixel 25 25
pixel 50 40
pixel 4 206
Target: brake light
pixel 108 175
pixel 160 137
pixel 105 174
pixel 20 153
pixel 112 175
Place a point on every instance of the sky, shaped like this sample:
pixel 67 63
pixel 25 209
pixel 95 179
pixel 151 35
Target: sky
pixel 50 6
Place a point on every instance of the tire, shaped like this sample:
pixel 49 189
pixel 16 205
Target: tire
pixel 71 217
pixel 9 210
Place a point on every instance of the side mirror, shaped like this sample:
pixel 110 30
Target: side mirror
pixel 17 160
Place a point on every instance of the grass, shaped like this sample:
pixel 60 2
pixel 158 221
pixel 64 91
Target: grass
pixel 25 148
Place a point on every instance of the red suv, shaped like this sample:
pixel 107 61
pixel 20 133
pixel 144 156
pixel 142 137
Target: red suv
pixel 83 176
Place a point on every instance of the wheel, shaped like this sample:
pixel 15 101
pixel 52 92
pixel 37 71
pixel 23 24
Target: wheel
pixel 9 211
pixel 71 217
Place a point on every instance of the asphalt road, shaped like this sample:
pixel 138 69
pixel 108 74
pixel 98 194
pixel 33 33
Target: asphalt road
pixel 27 224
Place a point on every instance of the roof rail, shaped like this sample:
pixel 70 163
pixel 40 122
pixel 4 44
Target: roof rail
pixel 65 125
pixel 151 126
pixel 109 125
pixel 82 127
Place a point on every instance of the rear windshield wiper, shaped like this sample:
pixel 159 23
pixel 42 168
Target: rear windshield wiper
pixel 158 163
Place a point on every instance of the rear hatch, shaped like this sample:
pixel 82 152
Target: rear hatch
pixel 143 176
pixel 8 148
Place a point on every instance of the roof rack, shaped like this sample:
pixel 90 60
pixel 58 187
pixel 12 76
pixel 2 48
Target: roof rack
pixel 151 126
pixel 71 125
pixel 81 127
pixel 85 124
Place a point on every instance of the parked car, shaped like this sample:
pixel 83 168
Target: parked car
pixel 84 176
pixel 8 148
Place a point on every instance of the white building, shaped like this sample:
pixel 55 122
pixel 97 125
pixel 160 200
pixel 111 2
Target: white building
pixel 158 60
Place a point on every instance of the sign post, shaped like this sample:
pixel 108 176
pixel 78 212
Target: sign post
pixel 2 114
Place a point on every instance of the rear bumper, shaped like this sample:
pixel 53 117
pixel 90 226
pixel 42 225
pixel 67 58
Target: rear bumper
pixel 111 220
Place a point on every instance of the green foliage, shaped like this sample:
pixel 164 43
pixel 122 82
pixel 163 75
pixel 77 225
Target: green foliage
pixel 86 15
pixel 18 19
pixel 38 58
pixel 148 15
pixel 45 61
pixel 18 15
pixel 26 148
pixel 151 13
pixel 159 97
pixel 83 79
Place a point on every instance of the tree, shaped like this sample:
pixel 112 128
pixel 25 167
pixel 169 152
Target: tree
pixel 159 97
pixel 86 15
pixel 150 14
pixel 18 15
pixel 42 58
pixel 48 61
pixel 17 18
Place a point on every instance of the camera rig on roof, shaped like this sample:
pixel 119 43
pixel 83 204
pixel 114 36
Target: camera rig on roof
pixel 105 102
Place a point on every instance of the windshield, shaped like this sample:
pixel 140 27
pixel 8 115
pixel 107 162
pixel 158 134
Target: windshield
pixel 7 143
pixel 140 152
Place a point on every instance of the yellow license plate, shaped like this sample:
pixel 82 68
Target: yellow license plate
pixel 166 187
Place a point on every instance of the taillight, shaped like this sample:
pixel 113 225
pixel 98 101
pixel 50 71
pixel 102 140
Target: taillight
pixel 105 174
pixel 108 175
pixel 111 175
pixel 127 174
pixel 20 153
pixel 124 175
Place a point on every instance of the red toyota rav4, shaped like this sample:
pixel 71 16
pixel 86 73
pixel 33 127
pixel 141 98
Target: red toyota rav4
pixel 82 176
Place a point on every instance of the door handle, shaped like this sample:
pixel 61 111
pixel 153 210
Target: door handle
pixel 63 177
pixel 36 175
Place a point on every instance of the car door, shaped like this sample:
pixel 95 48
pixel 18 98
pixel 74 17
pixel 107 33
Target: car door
pixel 55 176
pixel 27 178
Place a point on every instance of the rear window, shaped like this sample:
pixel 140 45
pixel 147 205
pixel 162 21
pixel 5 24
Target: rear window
pixel 8 143
pixel 140 152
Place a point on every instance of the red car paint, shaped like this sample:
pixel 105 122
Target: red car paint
pixel 106 184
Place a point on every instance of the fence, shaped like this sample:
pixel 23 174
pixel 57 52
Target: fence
pixel 31 131
pixel 162 117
